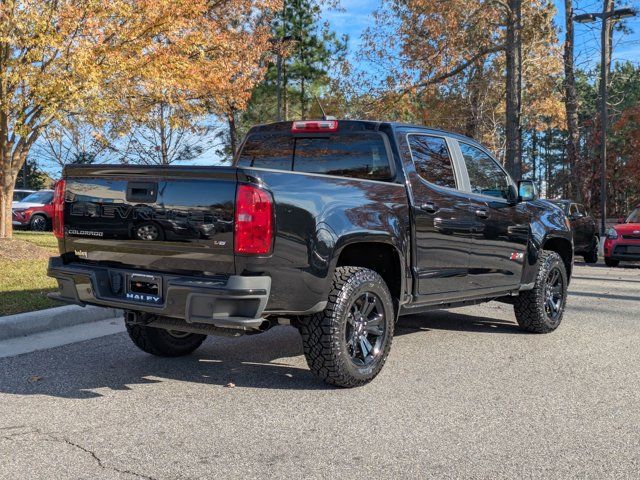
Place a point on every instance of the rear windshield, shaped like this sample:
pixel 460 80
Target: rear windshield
pixel 356 155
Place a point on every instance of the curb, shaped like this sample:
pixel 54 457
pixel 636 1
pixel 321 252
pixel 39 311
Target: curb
pixel 23 324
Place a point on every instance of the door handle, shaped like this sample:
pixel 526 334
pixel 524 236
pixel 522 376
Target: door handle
pixel 429 207
pixel 482 212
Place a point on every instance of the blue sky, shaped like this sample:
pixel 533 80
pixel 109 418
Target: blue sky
pixel 355 17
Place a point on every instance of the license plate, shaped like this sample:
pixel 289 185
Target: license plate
pixel 633 250
pixel 144 288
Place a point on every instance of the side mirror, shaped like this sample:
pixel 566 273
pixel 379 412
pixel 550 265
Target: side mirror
pixel 527 190
pixel 621 220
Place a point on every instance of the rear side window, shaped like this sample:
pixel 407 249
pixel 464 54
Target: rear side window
pixel 355 155
pixel 432 160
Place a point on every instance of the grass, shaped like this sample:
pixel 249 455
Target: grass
pixel 41 239
pixel 24 283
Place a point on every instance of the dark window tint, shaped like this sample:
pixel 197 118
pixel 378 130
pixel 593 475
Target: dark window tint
pixel 485 175
pixel 432 160
pixel 267 151
pixel 357 155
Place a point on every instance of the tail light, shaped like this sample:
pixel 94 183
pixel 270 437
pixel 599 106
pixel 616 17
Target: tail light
pixel 314 126
pixel 58 209
pixel 253 221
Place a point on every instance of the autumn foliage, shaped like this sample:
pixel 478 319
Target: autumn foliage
pixel 114 60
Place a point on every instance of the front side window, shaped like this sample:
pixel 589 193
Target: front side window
pixel 485 175
pixel 432 160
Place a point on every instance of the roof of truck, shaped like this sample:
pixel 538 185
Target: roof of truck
pixel 366 125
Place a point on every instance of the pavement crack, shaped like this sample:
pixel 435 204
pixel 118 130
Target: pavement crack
pixel 99 461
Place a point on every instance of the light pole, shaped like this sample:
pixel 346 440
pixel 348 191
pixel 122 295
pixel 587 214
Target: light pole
pixel 607 15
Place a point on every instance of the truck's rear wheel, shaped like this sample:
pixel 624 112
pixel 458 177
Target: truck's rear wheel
pixel 540 310
pixel 164 343
pixel 347 344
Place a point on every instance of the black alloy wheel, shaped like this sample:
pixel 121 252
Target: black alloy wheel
pixel 554 294
pixel 365 332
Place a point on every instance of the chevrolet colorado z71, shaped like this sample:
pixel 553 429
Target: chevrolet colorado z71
pixel 335 227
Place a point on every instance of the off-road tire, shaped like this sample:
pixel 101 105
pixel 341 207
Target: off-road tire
pixel 161 343
pixel 592 255
pixel 323 334
pixel 609 262
pixel 529 306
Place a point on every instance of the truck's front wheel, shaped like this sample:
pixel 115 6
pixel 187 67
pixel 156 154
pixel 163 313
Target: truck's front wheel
pixel 347 344
pixel 540 310
pixel 164 343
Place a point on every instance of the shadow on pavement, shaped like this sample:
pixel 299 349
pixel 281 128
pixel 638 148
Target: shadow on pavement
pixel 114 363
pixel 623 266
pixel 605 279
pixel 609 296
pixel 454 321
pixel 81 370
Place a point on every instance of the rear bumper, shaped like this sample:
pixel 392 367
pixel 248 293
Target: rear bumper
pixel 227 302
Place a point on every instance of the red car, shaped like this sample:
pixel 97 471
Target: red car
pixel 35 211
pixel 623 240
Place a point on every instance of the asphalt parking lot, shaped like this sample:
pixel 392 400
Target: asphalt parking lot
pixel 465 394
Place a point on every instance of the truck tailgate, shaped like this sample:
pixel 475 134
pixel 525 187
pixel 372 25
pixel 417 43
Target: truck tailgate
pixel 163 219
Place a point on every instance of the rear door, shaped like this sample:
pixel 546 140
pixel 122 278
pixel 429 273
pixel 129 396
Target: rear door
pixel 501 230
pixel 442 222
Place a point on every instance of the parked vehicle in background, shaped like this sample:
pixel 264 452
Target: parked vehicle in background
pixel 34 212
pixel 623 240
pixel 583 228
pixel 20 194
pixel 335 227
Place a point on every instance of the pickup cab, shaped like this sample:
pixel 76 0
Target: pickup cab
pixel 334 227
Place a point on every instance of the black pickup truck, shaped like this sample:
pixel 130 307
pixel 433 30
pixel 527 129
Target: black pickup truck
pixel 334 227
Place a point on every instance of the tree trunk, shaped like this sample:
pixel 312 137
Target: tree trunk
pixel 303 104
pixel 475 114
pixel 571 104
pixel 7 182
pixel 233 134
pixel 164 151
pixel 513 132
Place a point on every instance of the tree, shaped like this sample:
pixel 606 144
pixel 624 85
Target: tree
pixel 571 100
pixel 116 59
pixel 304 52
pixel 34 178
pixel 70 141
pixel 441 48
pixel 167 136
